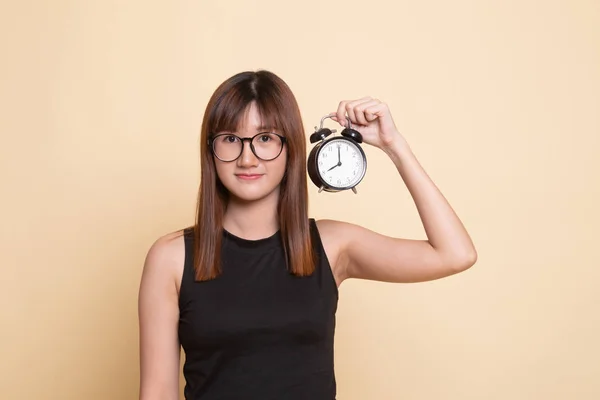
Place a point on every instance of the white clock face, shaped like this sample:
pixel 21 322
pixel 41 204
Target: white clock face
pixel 341 163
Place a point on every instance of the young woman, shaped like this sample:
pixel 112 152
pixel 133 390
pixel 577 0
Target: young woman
pixel 250 290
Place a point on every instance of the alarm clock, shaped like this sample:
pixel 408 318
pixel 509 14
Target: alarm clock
pixel 338 163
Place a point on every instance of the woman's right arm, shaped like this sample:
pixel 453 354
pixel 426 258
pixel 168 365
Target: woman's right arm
pixel 158 312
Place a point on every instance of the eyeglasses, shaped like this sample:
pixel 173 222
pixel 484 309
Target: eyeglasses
pixel 228 147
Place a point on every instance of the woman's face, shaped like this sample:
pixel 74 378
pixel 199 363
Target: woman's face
pixel 249 178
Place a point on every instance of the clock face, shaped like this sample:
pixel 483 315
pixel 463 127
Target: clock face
pixel 341 163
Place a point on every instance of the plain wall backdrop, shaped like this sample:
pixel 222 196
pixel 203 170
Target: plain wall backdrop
pixel 101 106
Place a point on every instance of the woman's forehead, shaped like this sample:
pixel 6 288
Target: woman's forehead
pixel 253 122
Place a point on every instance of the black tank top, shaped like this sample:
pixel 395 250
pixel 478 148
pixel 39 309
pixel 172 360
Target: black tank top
pixel 257 331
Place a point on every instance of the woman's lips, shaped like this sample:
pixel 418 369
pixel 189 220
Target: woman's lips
pixel 248 177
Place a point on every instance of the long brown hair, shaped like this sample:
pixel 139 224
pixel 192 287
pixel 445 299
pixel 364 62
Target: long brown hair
pixel 278 109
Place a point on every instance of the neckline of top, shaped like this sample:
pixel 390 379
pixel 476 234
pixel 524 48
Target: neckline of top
pixel 242 243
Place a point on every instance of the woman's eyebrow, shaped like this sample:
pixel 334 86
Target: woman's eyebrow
pixel 265 128
pixel 259 129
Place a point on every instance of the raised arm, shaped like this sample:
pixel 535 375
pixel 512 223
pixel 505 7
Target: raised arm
pixel 364 254
pixel 158 312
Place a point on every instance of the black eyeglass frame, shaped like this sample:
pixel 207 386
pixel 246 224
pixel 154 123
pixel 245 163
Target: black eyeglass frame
pixel 211 145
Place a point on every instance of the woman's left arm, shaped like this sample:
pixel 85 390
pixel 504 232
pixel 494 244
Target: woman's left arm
pixel 365 254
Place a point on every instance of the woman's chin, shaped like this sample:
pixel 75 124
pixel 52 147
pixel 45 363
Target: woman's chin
pixel 252 194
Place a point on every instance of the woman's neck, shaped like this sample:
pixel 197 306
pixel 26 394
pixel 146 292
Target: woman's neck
pixel 252 220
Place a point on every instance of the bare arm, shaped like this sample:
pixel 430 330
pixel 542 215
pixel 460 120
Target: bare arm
pixel 364 254
pixel 158 312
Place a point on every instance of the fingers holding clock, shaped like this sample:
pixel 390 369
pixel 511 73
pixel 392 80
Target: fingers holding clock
pixel 371 118
pixel 355 110
pixel 361 112
pixel 367 112
pixel 347 107
pixel 342 110
pixel 377 110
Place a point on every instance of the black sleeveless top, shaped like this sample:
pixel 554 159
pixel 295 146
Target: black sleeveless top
pixel 257 331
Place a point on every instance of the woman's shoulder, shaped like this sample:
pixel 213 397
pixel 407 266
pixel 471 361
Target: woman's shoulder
pixel 339 238
pixel 168 244
pixel 331 229
pixel 331 233
pixel 336 234
pixel 166 256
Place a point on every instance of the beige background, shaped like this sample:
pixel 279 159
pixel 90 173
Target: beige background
pixel 101 104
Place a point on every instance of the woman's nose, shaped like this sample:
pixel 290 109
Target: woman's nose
pixel 247 158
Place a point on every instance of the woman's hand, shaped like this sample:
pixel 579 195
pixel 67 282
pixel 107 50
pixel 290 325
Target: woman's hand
pixel 372 118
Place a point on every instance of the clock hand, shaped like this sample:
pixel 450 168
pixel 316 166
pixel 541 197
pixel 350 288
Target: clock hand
pixel 339 156
pixel 336 165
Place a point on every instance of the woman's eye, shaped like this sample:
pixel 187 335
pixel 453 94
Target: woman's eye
pixel 230 139
pixel 265 138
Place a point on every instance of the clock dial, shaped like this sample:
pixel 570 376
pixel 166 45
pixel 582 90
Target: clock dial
pixel 341 163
